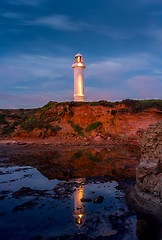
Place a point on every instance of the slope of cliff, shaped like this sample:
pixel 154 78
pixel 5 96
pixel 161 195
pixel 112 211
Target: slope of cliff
pixel 90 121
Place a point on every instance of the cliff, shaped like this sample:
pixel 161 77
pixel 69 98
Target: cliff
pixel 100 122
pixel 149 170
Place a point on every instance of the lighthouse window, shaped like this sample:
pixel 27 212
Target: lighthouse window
pixel 79 59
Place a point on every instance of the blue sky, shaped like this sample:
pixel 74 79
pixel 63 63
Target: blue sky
pixel 121 42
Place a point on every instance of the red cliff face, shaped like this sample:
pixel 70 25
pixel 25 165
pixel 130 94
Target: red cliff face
pixel 121 122
pixel 116 122
pixel 86 121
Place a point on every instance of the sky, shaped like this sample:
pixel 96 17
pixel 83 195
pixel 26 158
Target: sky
pixel 120 40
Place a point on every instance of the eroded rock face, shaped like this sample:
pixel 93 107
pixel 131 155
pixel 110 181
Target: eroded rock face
pixel 149 170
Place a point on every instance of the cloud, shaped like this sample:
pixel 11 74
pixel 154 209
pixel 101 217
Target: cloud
pixel 146 86
pixel 115 67
pixel 59 22
pixel 33 73
pixel 12 15
pixel 26 2
pixel 65 23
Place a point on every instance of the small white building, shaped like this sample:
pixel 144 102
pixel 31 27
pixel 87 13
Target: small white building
pixel 78 66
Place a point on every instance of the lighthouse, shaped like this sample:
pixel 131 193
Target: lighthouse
pixel 78 66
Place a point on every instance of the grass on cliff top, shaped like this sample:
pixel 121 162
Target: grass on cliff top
pixel 3 119
pixel 141 105
pixel 133 105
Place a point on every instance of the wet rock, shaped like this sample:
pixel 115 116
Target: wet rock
pixel 86 200
pixel 25 191
pixel 27 205
pixel 108 233
pixel 65 190
pixel 98 199
pixel 4 194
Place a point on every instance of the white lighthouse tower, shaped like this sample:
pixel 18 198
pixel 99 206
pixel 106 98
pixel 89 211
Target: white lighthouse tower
pixel 78 66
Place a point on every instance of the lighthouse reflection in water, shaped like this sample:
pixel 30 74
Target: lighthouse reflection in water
pixel 79 210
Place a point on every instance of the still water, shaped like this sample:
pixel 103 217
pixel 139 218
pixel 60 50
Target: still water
pixel 49 198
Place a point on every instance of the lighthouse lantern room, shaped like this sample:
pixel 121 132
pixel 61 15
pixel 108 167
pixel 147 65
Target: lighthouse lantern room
pixel 78 66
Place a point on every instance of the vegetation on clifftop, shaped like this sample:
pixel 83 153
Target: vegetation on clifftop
pixel 141 105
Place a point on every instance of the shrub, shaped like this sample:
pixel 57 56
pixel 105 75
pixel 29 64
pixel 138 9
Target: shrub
pixel 3 119
pixel 16 123
pixel 76 128
pixel 71 112
pixel 113 112
pixel 53 119
pixel 106 104
pixel 48 106
pixel 123 110
pixel 76 104
pixel 103 103
pixel 7 130
pixel 112 121
pixel 93 103
pixel 93 126
pixel 141 105
pixel 58 128
pixel 60 114
pixel 33 122
pixel 15 116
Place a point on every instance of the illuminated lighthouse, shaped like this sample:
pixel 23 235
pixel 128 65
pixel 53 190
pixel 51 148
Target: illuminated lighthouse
pixel 78 66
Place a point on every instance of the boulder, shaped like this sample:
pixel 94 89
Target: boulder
pixel 98 139
pixel 86 199
pixel 98 199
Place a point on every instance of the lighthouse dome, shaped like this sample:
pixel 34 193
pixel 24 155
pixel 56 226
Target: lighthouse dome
pixel 78 55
